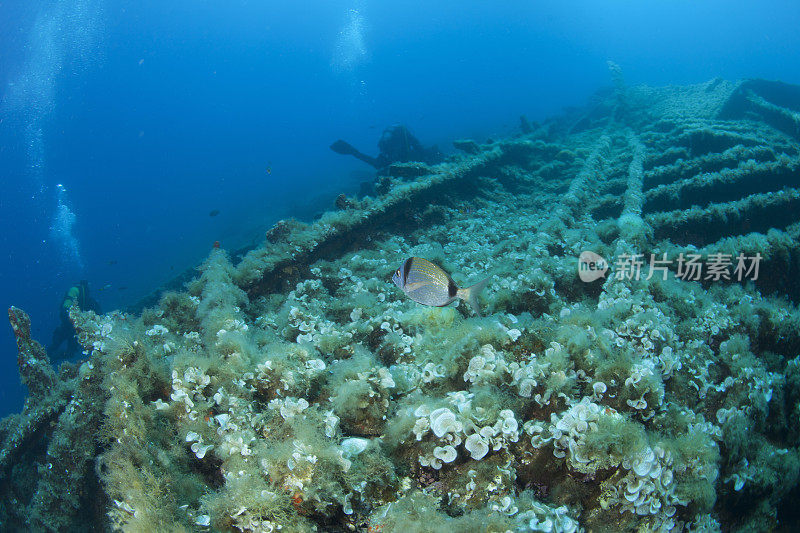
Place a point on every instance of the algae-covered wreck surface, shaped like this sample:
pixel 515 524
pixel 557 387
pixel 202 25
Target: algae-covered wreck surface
pixel 295 388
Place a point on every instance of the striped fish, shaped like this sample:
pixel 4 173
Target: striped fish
pixel 428 284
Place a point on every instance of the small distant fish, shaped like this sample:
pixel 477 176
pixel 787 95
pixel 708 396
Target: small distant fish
pixel 112 262
pixel 213 212
pixel 122 288
pixel 428 284
pixel 105 287
pixel 269 170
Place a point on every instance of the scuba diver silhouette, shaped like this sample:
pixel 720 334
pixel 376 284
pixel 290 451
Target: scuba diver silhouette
pixel 65 332
pixel 396 145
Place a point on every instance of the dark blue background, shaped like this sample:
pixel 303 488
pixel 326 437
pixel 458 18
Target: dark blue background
pixel 154 113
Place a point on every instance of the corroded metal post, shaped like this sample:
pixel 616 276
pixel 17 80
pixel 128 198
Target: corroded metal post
pixel 35 369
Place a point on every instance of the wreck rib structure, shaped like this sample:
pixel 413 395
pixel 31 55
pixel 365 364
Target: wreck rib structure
pixel 297 390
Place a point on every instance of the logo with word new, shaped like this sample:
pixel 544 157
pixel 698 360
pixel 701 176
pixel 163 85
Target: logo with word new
pixel 591 266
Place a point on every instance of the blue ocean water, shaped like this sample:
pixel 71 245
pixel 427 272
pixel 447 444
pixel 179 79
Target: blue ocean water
pixel 123 125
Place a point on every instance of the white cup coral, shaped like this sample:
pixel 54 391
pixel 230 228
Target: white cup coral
pixel 444 421
pixel 476 446
pixel 446 454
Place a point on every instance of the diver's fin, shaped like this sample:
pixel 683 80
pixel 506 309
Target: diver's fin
pixel 344 148
pixel 470 294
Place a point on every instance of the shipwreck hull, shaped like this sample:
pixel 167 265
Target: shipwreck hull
pixel 298 389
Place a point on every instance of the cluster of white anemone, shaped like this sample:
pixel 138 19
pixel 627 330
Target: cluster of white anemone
pixel 648 488
pixel 653 339
pixel 536 281
pixel 234 440
pixel 105 325
pixel 642 371
pixel 528 375
pixel 714 320
pixel 454 427
pixel 568 433
pixel 156 330
pixel 642 336
pixel 197 446
pixel 245 521
pixel 415 376
pixel 311 327
pixel 186 388
pixel 538 516
pixel 397 336
pixel 288 407
pixel 266 375
pixel 491 366
pixel 546 519
pixel 301 465
pixel 485 367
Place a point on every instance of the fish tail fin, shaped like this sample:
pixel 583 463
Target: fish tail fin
pixel 470 294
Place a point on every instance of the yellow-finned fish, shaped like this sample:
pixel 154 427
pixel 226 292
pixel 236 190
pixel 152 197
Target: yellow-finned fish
pixel 428 284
